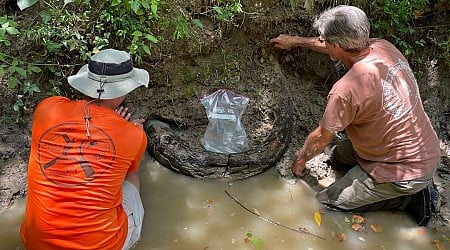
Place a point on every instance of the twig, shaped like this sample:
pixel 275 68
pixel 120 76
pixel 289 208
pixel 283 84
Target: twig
pixel 299 230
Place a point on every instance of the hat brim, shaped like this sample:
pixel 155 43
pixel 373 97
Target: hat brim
pixel 111 89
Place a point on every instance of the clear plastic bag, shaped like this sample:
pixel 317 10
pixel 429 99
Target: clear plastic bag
pixel 225 132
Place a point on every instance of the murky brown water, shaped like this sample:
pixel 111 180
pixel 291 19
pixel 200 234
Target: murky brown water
pixel 188 213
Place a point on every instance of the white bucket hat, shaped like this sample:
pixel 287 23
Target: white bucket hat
pixel 109 74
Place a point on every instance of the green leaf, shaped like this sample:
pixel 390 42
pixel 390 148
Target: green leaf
pixel 134 5
pixel 151 38
pixel 146 5
pixel 12 31
pixel 46 16
pixel 15 62
pixel 146 49
pixel 256 241
pixel 139 12
pixel 30 88
pixel 198 23
pixel 347 220
pixel 137 33
pixel 18 105
pixel 155 8
pixel 68 1
pixel 115 2
pixel 21 71
pixel 23 4
pixel 34 69
pixel 13 83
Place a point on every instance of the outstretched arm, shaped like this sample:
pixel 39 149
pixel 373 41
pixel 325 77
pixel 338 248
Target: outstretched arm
pixel 287 42
pixel 315 143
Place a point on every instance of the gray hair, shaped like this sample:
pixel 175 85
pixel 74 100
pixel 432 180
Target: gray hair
pixel 346 25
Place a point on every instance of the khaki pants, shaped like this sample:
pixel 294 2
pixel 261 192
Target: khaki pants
pixel 358 192
pixel 132 204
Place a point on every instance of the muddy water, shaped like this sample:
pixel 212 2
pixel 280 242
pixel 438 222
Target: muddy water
pixel 187 213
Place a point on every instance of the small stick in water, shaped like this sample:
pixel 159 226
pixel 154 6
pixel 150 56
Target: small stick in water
pixel 299 230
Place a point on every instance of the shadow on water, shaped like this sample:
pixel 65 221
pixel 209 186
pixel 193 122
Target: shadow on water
pixel 186 213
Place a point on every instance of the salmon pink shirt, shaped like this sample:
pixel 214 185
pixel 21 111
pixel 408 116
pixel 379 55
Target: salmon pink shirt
pixel 377 102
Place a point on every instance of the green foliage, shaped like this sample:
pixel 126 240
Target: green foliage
pixel 446 47
pixel 129 23
pixel 17 71
pixel 294 3
pixel 226 11
pixel 7 29
pixel 61 33
pixel 64 35
pixel 394 20
pixel 181 28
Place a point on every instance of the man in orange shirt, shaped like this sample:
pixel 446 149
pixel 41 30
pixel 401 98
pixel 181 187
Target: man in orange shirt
pixel 392 150
pixel 83 188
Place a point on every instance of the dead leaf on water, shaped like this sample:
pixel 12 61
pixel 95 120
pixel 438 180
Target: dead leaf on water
pixel 438 244
pixel 358 219
pixel 376 228
pixel 318 218
pixel 356 227
pixel 341 236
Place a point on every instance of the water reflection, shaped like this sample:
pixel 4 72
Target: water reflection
pixel 187 213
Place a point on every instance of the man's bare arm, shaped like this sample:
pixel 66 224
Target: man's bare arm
pixel 315 143
pixel 287 42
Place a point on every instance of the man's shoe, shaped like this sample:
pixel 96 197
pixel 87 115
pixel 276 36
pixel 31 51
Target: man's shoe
pixel 424 204
pixel 435 198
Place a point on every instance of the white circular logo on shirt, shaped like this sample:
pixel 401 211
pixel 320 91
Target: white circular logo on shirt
pixel 400 91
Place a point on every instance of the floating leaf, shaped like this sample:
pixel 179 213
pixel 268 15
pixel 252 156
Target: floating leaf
pixel 318 218
pixel 358 219
pixel 341 236
pixel 438 244
pixel 376 228
pixel 347 220
pixel 356 227
pixel 256 241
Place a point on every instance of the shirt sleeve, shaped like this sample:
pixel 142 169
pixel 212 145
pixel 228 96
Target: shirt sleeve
pixel 338 114
pixel 140 153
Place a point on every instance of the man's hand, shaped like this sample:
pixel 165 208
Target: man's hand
pixel 283 42
pixel 299 167
pixel 123 111
pixel 314 144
